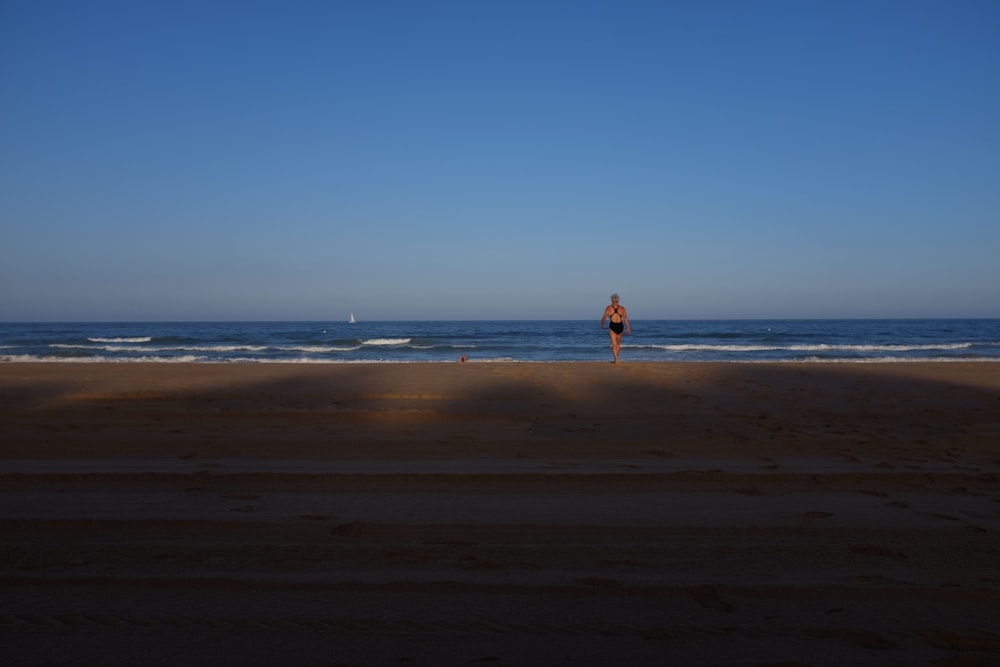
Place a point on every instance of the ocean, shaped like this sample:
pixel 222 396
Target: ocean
pixel 856 341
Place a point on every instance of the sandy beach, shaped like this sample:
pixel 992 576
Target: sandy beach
pixel 502 513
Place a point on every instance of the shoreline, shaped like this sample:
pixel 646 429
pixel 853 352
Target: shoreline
pixel 535 513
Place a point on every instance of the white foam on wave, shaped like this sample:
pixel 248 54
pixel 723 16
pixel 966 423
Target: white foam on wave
pixel 31 358
pixel 135 339
pixel 386 341
pixel 319 349
pixel 878 348
pixel 217 348
pixel 164 348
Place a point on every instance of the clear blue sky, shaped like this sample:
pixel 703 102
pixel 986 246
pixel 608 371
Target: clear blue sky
pixel 499 159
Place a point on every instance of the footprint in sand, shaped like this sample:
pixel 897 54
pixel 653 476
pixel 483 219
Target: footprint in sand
pixel 863 638
pixel 470 562
pixel 872 550
pixel 969 640
pixel 352 529
pixel 600 582
pixel 708 597
pixel 656 452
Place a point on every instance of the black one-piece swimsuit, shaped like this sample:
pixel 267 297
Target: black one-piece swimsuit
pixel 619 326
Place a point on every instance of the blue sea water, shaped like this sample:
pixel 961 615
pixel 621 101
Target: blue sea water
pixel 518 341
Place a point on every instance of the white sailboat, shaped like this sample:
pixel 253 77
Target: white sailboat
pixel 352 320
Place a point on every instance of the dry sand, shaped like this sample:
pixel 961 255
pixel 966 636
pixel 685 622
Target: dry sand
pixel 513 514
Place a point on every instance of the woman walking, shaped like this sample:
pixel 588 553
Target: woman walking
pixel 617 325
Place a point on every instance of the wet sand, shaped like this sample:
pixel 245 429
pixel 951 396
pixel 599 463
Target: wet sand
pixel 513 514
